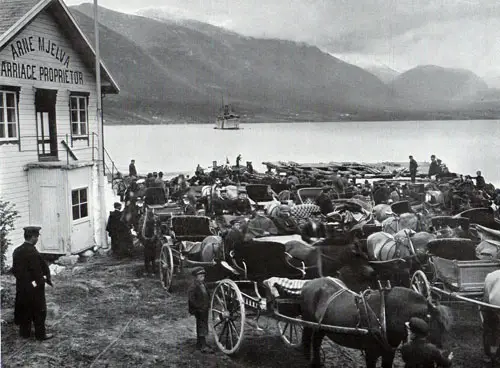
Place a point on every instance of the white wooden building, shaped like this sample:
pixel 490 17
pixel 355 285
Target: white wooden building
pixel 48 126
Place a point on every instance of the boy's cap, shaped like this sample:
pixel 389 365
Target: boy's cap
pixel 198 271
pixel 418 326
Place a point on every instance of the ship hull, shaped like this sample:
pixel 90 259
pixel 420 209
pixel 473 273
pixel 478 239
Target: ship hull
pixel 227 124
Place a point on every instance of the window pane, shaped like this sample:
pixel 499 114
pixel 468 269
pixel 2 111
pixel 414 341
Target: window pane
pixel 76 212
pixel 83 103
pixel 74 103
pixel 11 130
pixel 74 116
pixel 1 99
pixel 11 102
pixel 2 131
pixel 2 114
pixel 83 128
pixel 74 197
pixel 83 116
pixel 11 115
pixel 83 210
pixel 74 128
pixel 83 195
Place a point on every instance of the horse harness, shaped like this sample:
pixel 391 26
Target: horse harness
pixel 377 329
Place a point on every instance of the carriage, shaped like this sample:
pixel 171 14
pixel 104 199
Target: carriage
pixel 239 303
pixel 183 245
pixel 460 280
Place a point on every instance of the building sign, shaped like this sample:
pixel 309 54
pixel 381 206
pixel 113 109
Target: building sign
pixel 27 45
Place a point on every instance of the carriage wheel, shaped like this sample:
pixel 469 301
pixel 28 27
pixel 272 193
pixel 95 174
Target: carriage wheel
pixel 420 284
pixel 228 316
pixel 166 266
pixel 291 333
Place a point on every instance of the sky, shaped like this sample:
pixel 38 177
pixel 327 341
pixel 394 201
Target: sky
pixel 399 34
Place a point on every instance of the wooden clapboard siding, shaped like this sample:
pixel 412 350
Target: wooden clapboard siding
pixel 14 186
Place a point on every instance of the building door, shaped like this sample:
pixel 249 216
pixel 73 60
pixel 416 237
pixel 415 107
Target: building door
pixel 45 107
pixel 48 216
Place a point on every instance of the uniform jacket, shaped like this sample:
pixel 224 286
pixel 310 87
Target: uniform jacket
pixel 198 298
pixel 286 226
pixel 434 168
pixel 113 222
pixel 28 267
pixel 422 354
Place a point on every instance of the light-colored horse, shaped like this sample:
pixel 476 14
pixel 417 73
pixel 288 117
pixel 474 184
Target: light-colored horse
pixel 491 318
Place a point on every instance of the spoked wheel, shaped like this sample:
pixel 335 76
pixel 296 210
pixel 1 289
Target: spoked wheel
pixel 291 333
pixel 228 316
pixel 420 284
pixel 166 267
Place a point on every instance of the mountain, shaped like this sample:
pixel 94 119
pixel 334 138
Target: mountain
pixel 186 68
pixel 438 86
pixel 382 72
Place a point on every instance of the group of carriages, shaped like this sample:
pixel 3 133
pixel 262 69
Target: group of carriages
pixel 355 259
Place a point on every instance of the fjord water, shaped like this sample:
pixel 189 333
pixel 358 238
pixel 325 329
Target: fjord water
pixel 465 146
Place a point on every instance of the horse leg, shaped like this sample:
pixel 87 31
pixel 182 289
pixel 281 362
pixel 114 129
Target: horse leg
pixel 317 339
pixel 306 342
pixel 387 360
pixel 371 357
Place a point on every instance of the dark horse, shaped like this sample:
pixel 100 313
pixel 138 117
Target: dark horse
pixel 329 302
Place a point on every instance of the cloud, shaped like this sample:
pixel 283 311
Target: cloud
pixel 406 31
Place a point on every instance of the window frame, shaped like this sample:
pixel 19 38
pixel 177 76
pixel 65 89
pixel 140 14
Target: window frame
pixel 4 90
pixel 80 219
pixel 79 96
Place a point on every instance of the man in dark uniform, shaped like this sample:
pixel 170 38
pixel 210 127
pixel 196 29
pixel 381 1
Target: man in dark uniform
pixel 113 226
pixel 413 169
pixel 131 169
pixel 418 352
pixel 242 204
pixel 31 274
pixel 324 201
pixel 199 304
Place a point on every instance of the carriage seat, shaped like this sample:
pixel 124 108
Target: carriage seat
pixel 481 216
pixel 401 207
pixel 453 248
pixel 264 259
pixel 191 228
pixel 155 196
pixel 439 222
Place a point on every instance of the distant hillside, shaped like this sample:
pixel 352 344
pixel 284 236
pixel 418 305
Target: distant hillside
pixel 434 85
pixel 187 67
pixel 384 73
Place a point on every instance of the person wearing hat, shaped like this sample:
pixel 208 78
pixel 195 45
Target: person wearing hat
pixel 113 226
pixel 31 273
pixel 199 304
pixel 132 171
pixel 285 224
pixel 433 167
pixel 413 169
pixel 242 204
pixel 324 201
pixel 418 352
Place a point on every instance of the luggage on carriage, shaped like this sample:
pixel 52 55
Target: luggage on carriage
pixel 308 195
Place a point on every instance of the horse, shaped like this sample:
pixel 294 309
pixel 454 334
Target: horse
pixel 490 317
pixel 382 212
pixel 382 312
pixel 331 261
pixel 412 221
pixel 406 245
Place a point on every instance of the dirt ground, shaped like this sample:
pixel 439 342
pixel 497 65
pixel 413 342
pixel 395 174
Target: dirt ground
pixel 93 303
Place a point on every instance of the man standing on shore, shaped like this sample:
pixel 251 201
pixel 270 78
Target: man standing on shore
pixel 131 169
pixel 413 169
pixel 31 273
pixel 114 225
pixel 433 168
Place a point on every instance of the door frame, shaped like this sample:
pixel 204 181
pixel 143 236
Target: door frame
pixel 45 102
